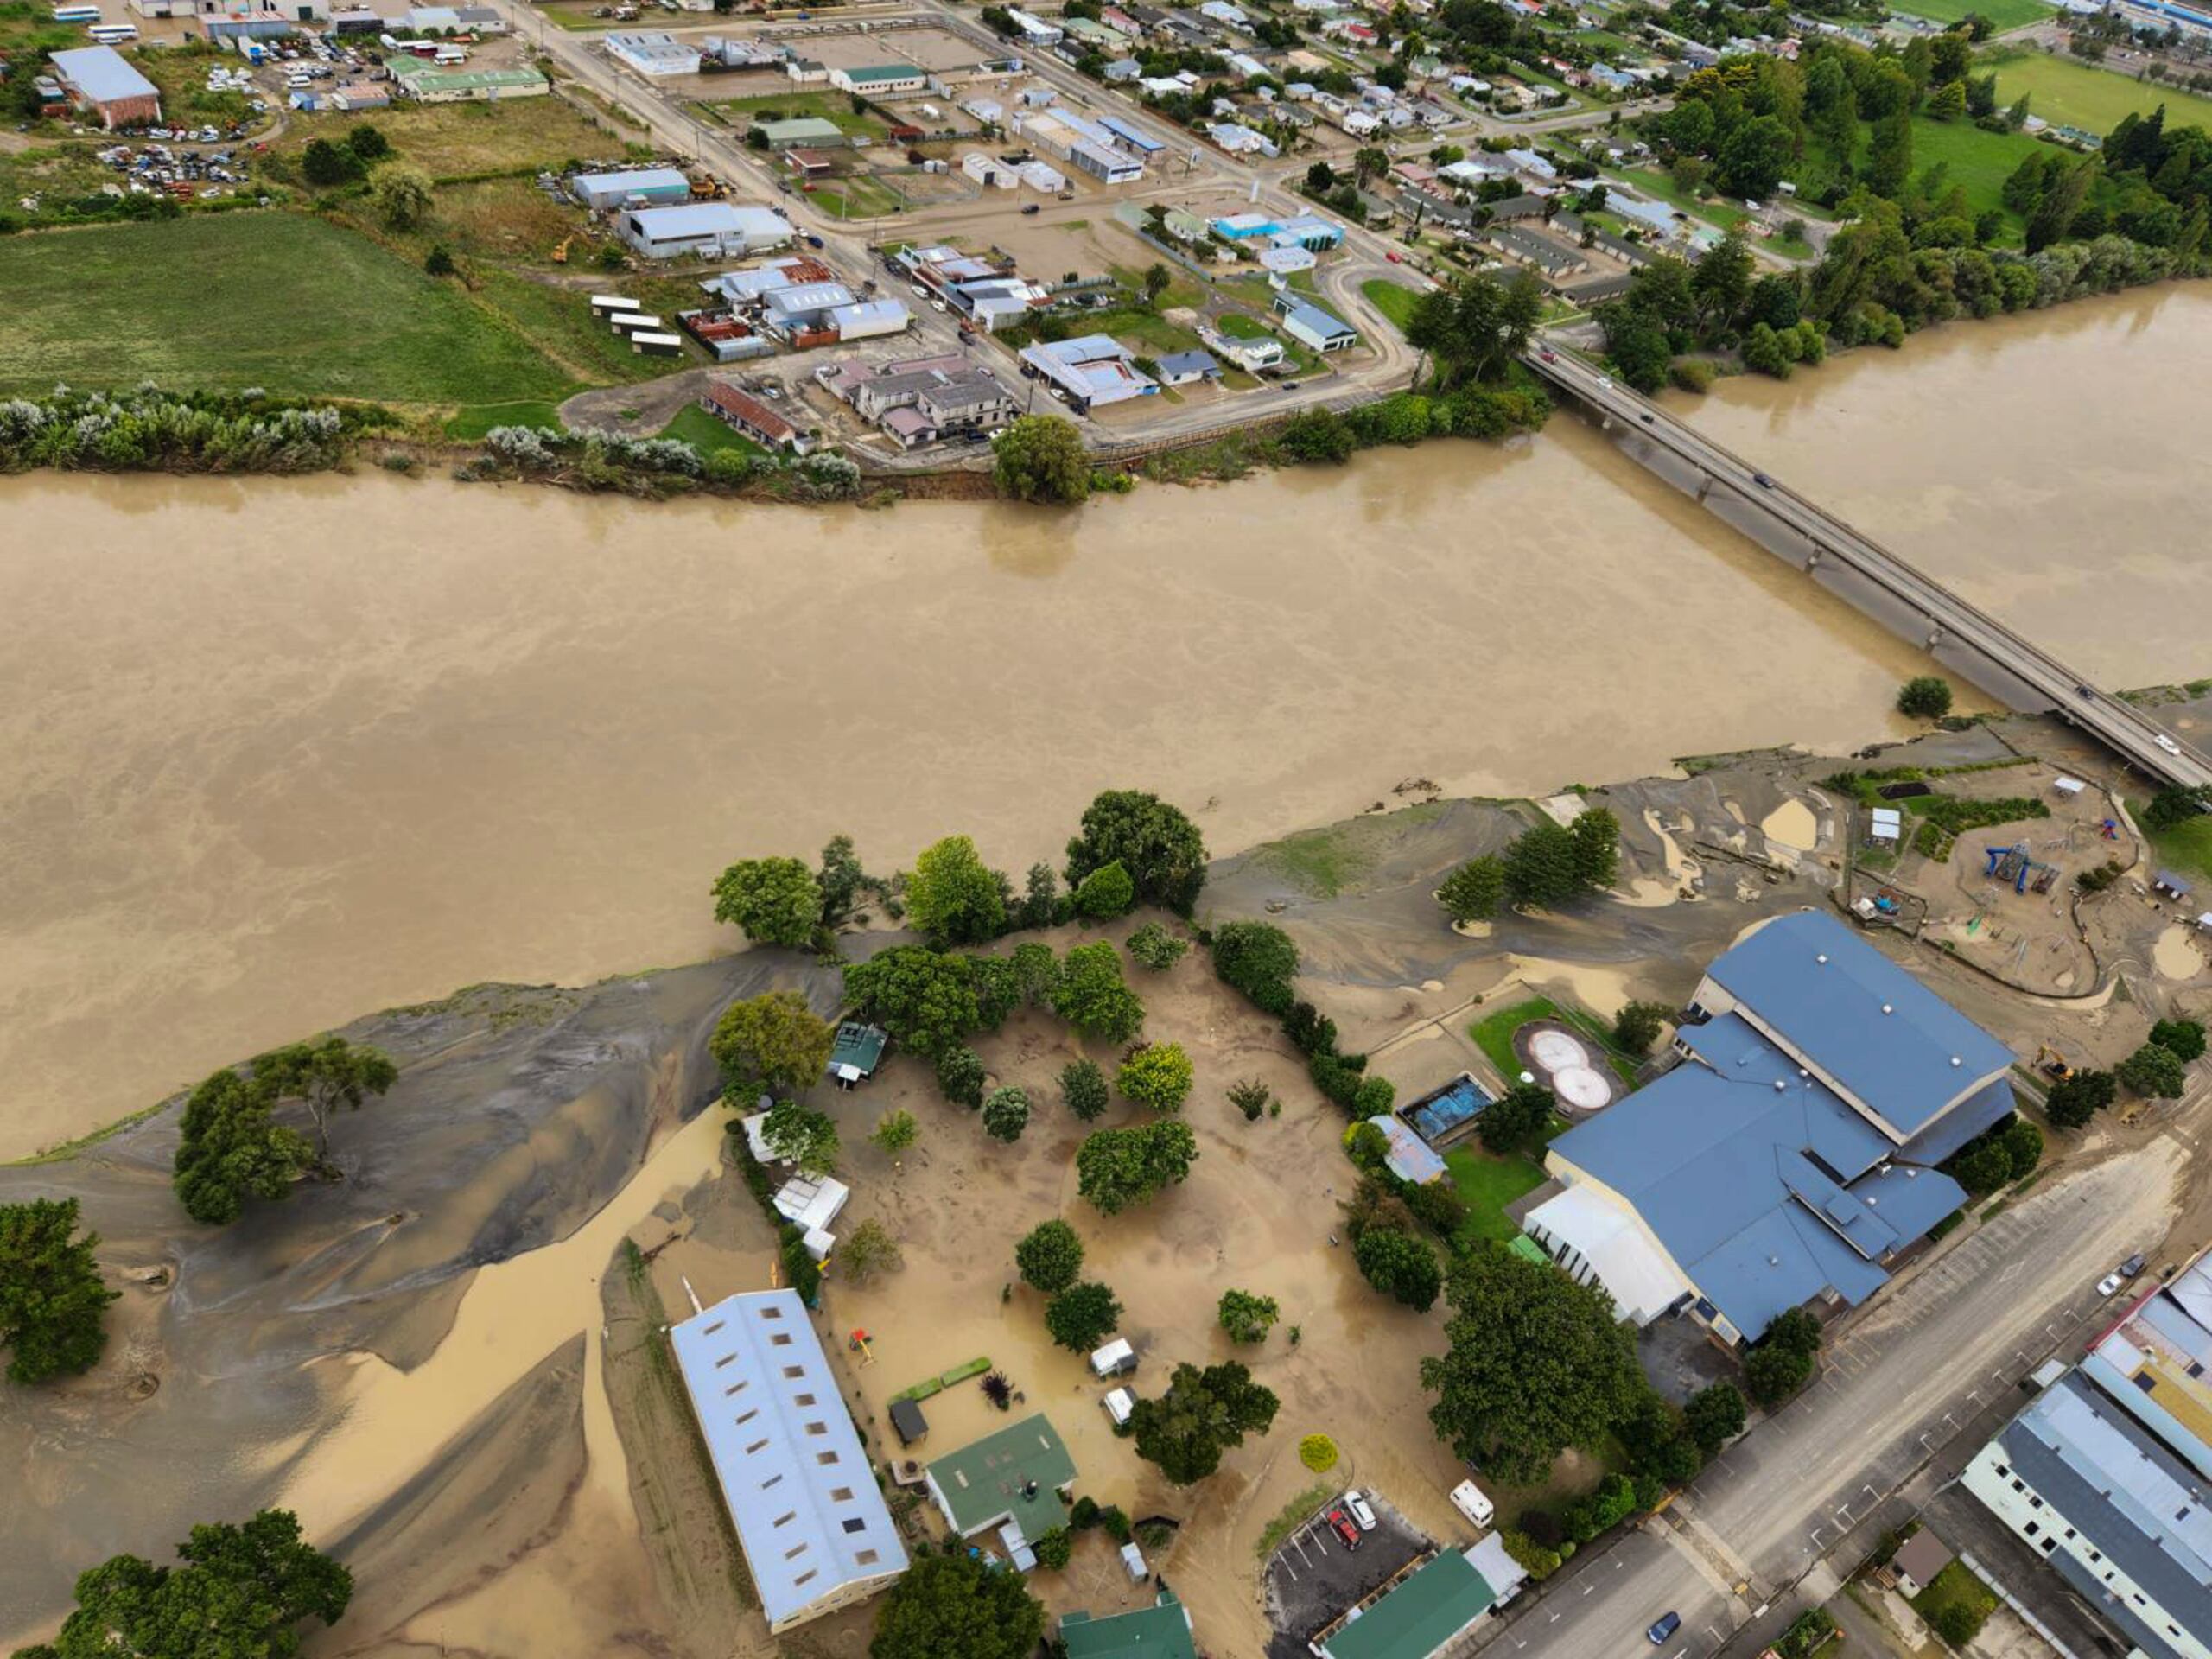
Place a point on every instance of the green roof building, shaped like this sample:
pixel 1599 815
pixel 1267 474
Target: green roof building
pixel 859 1051
pixel 1419 1617
pixel 1162 1631
pixel 1019 1474
pixel 429 85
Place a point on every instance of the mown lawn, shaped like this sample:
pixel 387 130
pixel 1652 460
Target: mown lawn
pixel 1977 163
pixel 2004 14
pixel 1394 300
pixel 705 434
pixel 2186 850
pixel 2097 100
pixel 318 311
pixel 742 112
pixel 1493 1034
pixel 1489 1184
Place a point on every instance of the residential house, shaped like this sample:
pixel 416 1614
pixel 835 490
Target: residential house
pixel 1791 1157
pixel 795 1479
pixel 743 412
pixel 1159 1631
pixel 1015 1481
pixel 924 400
pixel 1181 368
pixel 1093 370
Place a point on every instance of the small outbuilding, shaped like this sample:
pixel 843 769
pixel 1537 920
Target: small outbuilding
pixel 1919 1559
pixel 2167 885
pixel 857 1052
pixel 908 1423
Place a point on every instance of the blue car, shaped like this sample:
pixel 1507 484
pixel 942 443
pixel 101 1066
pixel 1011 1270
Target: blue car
pixel 1664 1630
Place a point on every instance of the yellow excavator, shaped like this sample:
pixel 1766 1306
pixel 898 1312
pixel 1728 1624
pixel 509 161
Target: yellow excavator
pixel 561 253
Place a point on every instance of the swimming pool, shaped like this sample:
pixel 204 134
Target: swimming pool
pixel 1436 1114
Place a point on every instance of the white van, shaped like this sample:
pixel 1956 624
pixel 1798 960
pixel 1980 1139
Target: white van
pixel 1468 1498
pixel 1116 1358
pixel 1119 1405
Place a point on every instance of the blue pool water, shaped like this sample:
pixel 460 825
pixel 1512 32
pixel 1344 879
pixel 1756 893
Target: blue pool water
pixel 1436 1115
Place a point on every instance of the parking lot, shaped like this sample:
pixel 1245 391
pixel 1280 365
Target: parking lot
pixel 1312 1579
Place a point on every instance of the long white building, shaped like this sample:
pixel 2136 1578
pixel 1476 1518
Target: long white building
pixel 795 1477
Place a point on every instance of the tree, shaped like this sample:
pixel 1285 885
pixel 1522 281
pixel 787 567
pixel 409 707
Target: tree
pixel 368 142
pixel 1714 1416
pixel 926 1002
pixel 1203 1415
pixel 1082 1086
pixel 2064 189
pixel 2074 1101
pixel 1251 1097
pixel 2184 1038
pixel 1317 434
pixel 773 900
pixel 868 1250
pixel 1753 158
pixel 1516 1118
pixel 1474 327
pixel 238 1593
pixel 1158 1075
pixel 1400 1266
pixel 1636 345
pixel 1536 1363
pixel 1471 892
pixel 952 896
pixel 802 1135
pixel 1040 458
pixel 1889 154
pixel 960 1077
pixel 1948 102
pixel 1116 1168
pixel 1055 1549
pixel 52 1302
pixel 1049 1256
pixel 229 1149
pixel 402 197
pixel 1318 1452
pixel 1636 1027
pixel 1925 696
pixel 325 1075
pixel 324 164
pixel 1005 1114
pixel 1258 959
pixel 1722 280
pixel 1157 279
pixel 1248 1318
pixel 1774 1374
pixel 1083 1316
pixel 895 1132
pixel 1161 848
pixel 1106 892
pixel 1091 997
pixel 957 1604
pixel 1543 866
pixel 1036 973
pixel 1596 834
pixel 439 261
pixel 2154 1072
pixel 773 1043
pixel 1155 948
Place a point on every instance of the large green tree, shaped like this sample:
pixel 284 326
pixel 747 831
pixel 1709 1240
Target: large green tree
pixel 773 1042
pixel 947 1605
pixel 52 1302
pixel 2074 1101
pixel 1471 892
pixel 1399 1265
pixel 239 1592
pixel 229 1148
pixel 953 897
pixel 773 900
pixel 327 1075
pixel 1049 1256
pixel 1514 1118
pixel 1092 997
pixel 1040 458
pixel 1158 1075
pixel 1474 326
pixel 1116 1168
pixel 1537 1363
pixel 806 1136
pixel 1258 959
pixel 1083 1316
pixel 2155 1071
pixel 925 1001
pixel 1204 1414
pixel 1005 1114
pixel 1714 1416
pixel 1543 866
pixel 1597 836
pixel 1155 842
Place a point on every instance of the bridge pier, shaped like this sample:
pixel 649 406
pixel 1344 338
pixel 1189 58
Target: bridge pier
pixel 1934 633
pixel 1704 481
pixel 1813 562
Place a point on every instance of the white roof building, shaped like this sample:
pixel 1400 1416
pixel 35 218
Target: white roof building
pixel 812 1203
pixel 794 1477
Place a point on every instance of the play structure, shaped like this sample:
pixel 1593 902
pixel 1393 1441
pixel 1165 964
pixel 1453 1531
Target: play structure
pixel 2013 864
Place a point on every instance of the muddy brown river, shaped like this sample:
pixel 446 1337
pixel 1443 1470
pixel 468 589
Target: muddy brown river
pixel 276 753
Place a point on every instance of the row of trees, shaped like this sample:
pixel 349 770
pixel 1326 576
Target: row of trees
pixel 2155 1071
pixel 227 432
pixel 1546 866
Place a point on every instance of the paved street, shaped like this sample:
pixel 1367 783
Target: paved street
pixel 1945 1346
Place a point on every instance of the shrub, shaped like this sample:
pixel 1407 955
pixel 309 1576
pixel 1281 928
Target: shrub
pixel 960 1077
pixel 1925 696
pixel 1308 1032
pixel 1367 1147
pixel 1054 1549
pixel 2155 1071
pixel 2184 1038
pixel 1258 959
pixel 1151 946
pixel 1373 1098
pixel 1246 1317
pixel 1400 1266
pixel 1106 892
pixel 1082 1086
pixel 1318 1452
pixel 1714 1416
pixel 1439 1206
pixel 1091 997
pixel 1250 1097
pixel 2074 1101
pixel 1158 1075
pixel 1005 1114
pixel 1636 1026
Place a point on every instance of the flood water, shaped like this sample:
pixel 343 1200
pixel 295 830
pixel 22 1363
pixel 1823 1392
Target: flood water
pixel 276 752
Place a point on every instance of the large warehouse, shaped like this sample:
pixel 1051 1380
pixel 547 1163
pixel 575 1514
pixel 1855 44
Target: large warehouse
pixel 100 80
pixel 794 1476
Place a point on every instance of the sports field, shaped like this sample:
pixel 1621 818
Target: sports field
pixel 2002 14
pixel 2071 94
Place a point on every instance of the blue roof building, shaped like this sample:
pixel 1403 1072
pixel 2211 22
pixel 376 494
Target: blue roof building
pixel 1790 1157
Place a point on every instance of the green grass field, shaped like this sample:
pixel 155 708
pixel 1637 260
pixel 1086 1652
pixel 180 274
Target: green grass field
pixel 1493 1034
pixel 1977 163
pixel 477 419
pixel 742 112
pixel 2187 850
pixel 1394 300
pixel 2004 14
pixel 2079 95
pixel 856 196
pixel 1489 1184
pixel 705 434
pixel 330 313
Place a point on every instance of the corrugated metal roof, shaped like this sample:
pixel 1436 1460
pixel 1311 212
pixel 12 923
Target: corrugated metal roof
pixel 989 1478
pixel 1162 1631
pixel 1420 1616
pixel 103 74
pixel 635 181
pixel 1823 992
pixel 793 1473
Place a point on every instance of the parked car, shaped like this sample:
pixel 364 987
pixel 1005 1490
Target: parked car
pixel 814 242
pixel 1473 1503
pixel 1362 1510
pixel 1341 1524
pixel 2133 1265
pixel 2110 1283
pixel 1662 1631
pixel 1034 207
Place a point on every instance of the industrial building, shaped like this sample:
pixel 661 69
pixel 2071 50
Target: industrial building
pixel 712 230
pixel 428 84
pixel 1313 327
pixel 2104 1475
pixel 1082 144
pixel 100 80
pixel 646 185
pixel 794 1477
pixel 879 80
pixel 1790 1157
pixel 652 52
pixel 803 130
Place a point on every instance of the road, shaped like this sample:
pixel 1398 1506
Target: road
pixel 2048 682
pixel 1947 1344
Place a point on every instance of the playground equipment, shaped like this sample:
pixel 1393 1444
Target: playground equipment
pixel 858 1342
pixel 2037 877
pixel 2110 830
pixel 2008 864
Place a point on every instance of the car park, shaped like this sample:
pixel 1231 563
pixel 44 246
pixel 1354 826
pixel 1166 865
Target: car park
pixel 1362 1510
pixel 1341 1524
